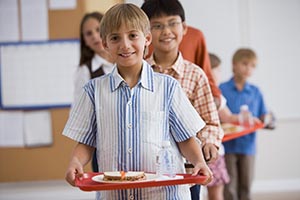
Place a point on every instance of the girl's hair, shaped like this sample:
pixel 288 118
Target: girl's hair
pixel 214 60
pixel 86 53
pixel 126 14
pixel 158 8
pixel 243 54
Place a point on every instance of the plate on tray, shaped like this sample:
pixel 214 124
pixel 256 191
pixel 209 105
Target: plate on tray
pixel 86 183
pixel 229 128
pixel 149 177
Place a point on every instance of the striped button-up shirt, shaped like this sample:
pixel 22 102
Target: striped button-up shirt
pixel 196 86
pixel 127 126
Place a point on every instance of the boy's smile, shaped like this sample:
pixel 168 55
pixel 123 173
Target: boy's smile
pixel 167 32
pixel 244 69
pixel 127 45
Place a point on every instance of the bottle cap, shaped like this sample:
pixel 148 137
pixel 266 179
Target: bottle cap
pixel 244 107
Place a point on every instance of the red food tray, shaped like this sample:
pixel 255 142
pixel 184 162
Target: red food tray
pixel 87 184
pixel 245 131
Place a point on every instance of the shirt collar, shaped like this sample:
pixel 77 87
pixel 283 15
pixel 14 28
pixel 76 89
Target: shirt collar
pixel 247 86
pixel 145 81
pixel 176 67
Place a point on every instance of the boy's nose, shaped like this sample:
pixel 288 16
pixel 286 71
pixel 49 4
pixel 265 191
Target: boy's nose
pixel 125 43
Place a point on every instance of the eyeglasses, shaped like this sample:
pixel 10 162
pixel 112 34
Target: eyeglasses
pixel 170 25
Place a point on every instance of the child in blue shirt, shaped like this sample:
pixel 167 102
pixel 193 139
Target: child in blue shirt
pixel 128 113
pixel 240 152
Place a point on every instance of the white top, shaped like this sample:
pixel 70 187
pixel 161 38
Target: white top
pixel 223 102
pixel 82 74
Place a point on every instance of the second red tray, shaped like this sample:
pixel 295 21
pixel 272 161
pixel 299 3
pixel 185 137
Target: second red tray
pixel 245 131
pixel 87 184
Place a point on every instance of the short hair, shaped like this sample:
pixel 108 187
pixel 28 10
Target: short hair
pixel 124 13
pixel 244 54
pixel 158 8
pixel 215 61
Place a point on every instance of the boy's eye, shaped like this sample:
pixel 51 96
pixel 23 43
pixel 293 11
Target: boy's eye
pixel 133 35
pixel 113 38
pixel 157 26
pixel 172 25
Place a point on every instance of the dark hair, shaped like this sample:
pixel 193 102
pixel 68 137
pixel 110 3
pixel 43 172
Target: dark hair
pixel 158 8
pixel 214 60
pixel 86 53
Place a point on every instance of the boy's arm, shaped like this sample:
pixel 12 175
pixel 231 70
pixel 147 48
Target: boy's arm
pixel 197 52
pixel 226 116
pixel 80 157
pixel 211 135
pixel 191 150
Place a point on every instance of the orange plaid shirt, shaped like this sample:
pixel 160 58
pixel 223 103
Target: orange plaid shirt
pixel 195 84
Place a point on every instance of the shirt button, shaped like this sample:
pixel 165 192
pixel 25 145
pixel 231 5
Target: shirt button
pixel 131 197
pixel 129 150
pixel 129 103
pixel 129 125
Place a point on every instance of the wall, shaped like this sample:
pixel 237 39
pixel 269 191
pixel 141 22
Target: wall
pixel 272 29
pixel 277 160
pixel 44 163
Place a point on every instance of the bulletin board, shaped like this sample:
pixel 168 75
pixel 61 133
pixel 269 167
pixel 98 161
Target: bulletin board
pixel 50 162
pixel 37 74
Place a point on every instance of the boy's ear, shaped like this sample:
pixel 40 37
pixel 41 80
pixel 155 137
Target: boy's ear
pixel 148 39
pixel 185 27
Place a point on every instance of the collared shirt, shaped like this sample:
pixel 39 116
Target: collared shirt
pixel 196 52
pixel 195 84
pixel 251 96
pixel 82 74
pixel 128 126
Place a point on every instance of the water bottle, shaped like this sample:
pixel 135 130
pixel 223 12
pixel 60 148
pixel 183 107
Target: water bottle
pixel 245 116
pixel 165 165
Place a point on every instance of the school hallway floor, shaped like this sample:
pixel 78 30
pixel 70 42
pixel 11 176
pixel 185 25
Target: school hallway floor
pixel 60 190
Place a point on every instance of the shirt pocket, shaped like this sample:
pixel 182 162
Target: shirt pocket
pixel 152 127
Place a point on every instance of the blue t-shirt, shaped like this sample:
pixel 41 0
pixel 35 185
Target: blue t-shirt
pixel 251 96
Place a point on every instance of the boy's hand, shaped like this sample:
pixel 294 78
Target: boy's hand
pixel 75 170
pixel 210 152
pixel 256 120
pixel 203 169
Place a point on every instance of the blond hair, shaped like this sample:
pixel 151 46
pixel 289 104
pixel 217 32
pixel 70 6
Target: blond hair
pixel 244 54
pixel 126 14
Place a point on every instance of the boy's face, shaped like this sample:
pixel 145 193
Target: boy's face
pixel 167 32
pixel 244 68
pixel 126 46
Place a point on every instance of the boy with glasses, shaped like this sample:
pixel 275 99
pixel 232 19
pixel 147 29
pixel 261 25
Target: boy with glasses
pixel 167 21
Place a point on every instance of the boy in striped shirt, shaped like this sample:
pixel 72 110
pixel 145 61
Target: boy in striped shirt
pixel 128 113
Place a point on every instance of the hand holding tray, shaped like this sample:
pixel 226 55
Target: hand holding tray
pixel 86 183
